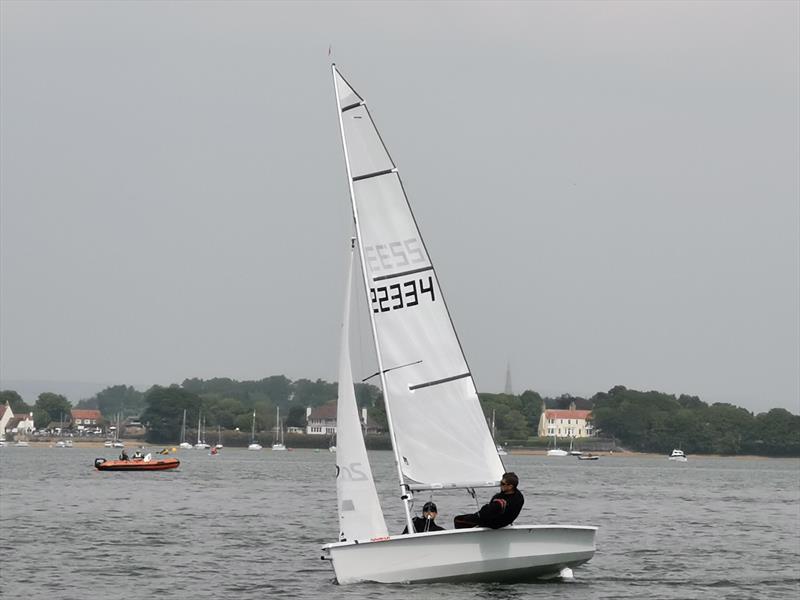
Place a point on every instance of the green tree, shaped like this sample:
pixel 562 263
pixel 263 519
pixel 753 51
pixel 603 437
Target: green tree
pixel 313 393
pixel 297 417
pixel 513 415
pixel 120 399
pixel 88 403
pixel 275 390
pixel 163 414
pixel 50 407
pixel 223 411
pixel 370 397
pixel 777 433
pixel 17 404
pixel 532 408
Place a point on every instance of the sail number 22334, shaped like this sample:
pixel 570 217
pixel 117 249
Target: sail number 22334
pixel 401 295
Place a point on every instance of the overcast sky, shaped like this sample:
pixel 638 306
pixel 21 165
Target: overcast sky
pixel 609 190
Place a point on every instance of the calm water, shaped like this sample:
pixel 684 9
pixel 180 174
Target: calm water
pixel 248 525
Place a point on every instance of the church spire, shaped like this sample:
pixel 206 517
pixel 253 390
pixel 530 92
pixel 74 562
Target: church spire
pixel 508 389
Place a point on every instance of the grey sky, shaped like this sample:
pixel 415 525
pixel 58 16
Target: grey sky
pixel 609 191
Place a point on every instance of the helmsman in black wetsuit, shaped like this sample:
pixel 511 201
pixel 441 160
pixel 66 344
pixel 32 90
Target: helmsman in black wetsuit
pixel 500 511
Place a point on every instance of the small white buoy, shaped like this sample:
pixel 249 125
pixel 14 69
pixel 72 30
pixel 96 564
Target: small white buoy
pixel 566 574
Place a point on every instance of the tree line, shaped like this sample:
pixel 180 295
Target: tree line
pixel 658 422
pixel 641 421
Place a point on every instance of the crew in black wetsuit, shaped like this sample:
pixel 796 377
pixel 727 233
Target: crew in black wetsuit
pixel 500 511
pixel 426 521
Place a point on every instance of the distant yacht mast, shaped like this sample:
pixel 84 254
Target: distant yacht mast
pixel 508 389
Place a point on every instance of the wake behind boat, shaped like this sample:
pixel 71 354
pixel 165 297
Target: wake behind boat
pixel 439 435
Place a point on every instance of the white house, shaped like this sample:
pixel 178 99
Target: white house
pixel 20 425
pixel 322 419
pixel 566 423
pixel 85 419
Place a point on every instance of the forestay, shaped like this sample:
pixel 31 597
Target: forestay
pixel 441 435
pixel 360 515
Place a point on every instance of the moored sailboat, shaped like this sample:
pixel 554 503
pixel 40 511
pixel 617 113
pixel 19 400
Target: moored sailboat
pixel 277 442
pixel 500 450
pixel 555 450
pixel 201 434
pixel 254 445
pixel 439 435
pixel 116 442
pixel 184 444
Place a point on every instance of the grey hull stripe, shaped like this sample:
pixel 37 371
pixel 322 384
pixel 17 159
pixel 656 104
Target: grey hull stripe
pixel 417 487
pixel 438 381
pixel 376 174
pixel 403 274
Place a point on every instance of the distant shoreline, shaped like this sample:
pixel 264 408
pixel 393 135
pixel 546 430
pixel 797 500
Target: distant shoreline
pixel 630 454
pixel 132 443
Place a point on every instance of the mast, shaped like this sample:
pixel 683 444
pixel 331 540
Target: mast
pixel 405 491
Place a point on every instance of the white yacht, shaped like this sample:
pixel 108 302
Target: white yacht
pixel 678 455
pixel 555 450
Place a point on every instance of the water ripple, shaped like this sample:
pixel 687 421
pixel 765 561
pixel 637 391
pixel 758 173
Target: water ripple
pixel 248 526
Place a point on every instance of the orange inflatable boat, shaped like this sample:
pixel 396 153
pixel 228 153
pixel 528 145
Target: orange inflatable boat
pixel 137 464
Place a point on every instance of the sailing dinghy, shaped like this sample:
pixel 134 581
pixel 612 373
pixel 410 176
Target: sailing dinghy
pixel 438 431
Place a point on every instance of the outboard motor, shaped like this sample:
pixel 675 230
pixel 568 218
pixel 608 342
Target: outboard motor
pixel 99 461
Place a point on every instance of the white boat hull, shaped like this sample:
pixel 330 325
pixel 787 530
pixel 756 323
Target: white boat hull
pixel 516 553
pixel 557 453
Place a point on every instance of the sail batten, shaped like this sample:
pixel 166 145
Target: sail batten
pixel 439 381
pixel 376 174
pixel 403 274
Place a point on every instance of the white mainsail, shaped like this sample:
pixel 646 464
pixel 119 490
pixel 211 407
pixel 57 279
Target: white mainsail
pixel 427 384
pixel 360 515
